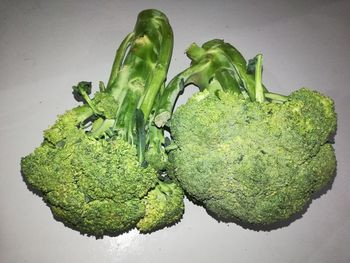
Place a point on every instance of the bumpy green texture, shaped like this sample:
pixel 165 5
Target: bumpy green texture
pixel 243 153
pixel 258 162
pixel 92 185
pixel 165 201
pixel 98 167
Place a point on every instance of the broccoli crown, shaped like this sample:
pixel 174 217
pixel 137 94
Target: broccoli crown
pixel 251 161
pixel 94 186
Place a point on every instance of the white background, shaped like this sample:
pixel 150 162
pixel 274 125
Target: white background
pixel 48 46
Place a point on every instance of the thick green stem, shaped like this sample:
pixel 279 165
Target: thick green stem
pixel 215 60
pixel 118 60
pixel 227 81
pixel 236 64
pixel 158 75
pixel 259 91
pixel 140 69
pixel 198 74
pixel 220 64
pixel 137 77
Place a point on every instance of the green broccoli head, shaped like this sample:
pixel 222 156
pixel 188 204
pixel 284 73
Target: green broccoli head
pixel 255 162
pixel 243 152
pixel 95 186
pixel 93 167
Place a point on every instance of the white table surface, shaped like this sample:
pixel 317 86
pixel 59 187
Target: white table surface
pixel 48 46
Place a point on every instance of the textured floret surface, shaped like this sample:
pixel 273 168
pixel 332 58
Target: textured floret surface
pixel 259 163
pixel 94 186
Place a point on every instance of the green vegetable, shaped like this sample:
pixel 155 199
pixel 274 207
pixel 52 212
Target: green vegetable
pixel 100 166
pixel 242 152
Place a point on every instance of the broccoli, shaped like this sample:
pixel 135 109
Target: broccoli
pixel 100 166
pixel 246 154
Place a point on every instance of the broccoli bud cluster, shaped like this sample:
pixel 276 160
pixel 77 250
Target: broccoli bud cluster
pixel 259 163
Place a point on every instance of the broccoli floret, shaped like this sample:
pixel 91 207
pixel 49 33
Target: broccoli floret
pixel 164 206
pixel 243 153
pixel 66 126
pixel 91 168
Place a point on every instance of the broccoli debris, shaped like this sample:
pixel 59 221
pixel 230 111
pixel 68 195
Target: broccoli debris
pixel 99 166
pixel 244 153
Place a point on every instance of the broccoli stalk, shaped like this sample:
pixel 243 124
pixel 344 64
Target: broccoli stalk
pixel 259 91
pixel 100 161
pixel 244 153
pixel 216 65
pixel 138 73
